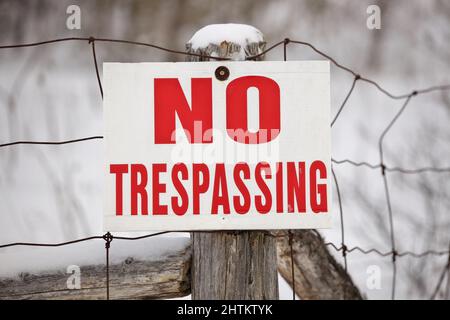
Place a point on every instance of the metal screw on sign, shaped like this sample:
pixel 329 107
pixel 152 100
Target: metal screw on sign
pixel 222 73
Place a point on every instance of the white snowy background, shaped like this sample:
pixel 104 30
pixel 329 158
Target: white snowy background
pixel 53 193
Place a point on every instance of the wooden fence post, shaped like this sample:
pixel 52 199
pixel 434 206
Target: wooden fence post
pixel 233 264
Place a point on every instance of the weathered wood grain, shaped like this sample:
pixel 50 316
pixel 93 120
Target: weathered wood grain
pixel 225 50
pixel 234 265
pixel 166 277
pixel 317 274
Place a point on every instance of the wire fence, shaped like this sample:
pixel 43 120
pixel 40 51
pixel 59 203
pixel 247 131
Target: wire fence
pixel 381 165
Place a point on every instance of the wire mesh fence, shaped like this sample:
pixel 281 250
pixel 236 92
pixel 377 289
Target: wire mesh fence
pixel 381 165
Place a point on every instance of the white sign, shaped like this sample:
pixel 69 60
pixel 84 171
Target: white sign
pixel 217 145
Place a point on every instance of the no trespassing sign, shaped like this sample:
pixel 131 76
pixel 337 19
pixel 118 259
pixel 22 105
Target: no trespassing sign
pixel 217 145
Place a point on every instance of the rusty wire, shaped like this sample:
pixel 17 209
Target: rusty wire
pixel 108 237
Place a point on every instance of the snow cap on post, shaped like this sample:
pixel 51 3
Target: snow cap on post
pixel 232 41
